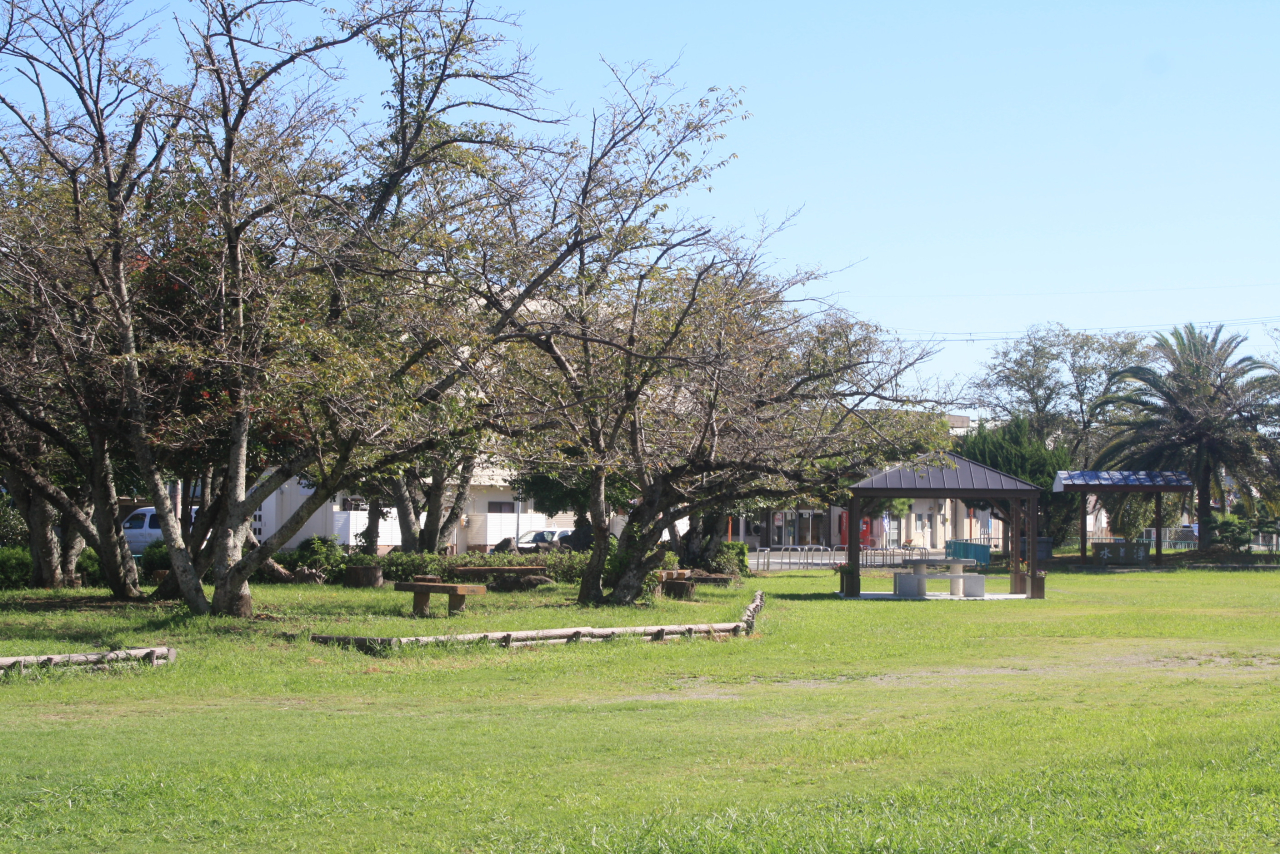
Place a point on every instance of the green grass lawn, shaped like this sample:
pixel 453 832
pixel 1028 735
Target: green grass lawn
pixel 1138 712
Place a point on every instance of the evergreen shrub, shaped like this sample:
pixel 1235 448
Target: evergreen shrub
pixel 155 558
pixel 13 528
pixel 731 559
pixel 562 566
pixel 15 567
pixel 89 567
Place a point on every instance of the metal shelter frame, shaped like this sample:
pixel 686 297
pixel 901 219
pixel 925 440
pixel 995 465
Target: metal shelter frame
pixel 1097 482
pixel 952 477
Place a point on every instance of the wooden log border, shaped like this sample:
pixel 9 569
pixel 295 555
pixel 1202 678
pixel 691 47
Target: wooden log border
pixel 152 655
pixel 579 634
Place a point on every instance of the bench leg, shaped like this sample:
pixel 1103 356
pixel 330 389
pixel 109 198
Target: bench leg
pixel 422 604
pixel 457 603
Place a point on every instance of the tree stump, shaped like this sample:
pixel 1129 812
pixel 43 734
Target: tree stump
pixel 678 589
pixel 363 576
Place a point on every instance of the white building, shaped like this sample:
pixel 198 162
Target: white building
pixel 489 516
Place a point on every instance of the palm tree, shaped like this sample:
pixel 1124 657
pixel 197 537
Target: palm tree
pixel 1201 410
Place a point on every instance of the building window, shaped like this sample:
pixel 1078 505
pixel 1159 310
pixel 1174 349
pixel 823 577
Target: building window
pixel 502 507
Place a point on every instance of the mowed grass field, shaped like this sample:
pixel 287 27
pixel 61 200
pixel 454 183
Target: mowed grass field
pixel 1135 712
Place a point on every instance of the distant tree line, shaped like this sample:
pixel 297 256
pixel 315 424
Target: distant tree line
pixel 1178 401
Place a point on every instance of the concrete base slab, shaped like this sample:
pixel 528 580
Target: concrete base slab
pixel 938 596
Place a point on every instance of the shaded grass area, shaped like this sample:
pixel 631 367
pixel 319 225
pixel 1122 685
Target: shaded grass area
pixel 1120 714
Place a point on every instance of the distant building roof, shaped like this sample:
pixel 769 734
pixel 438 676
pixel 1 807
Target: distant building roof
pixel 1122 481
pixel 924 479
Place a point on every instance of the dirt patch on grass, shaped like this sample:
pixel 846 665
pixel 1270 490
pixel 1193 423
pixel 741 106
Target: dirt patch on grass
pixel 678 695
pixel 1216 660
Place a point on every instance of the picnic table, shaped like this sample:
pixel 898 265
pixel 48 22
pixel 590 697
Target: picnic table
pixel 423 589
pixel 968 585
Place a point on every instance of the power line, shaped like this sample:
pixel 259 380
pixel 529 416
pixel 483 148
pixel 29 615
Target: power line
pixel 927 335
pixel 970 295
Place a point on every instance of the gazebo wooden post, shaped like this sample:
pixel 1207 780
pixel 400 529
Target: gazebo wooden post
pixel 1084 527
pixel 1015 544
pixel 1035 586
pixel 1006 525
pixel 1159 526
pixel 851 581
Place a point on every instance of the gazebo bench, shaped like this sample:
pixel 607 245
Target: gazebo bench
pixel 972 585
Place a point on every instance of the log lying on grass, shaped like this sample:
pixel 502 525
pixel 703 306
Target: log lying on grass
pixel 584 633
pixel 153 655
pixel 560 636
pixel 749 615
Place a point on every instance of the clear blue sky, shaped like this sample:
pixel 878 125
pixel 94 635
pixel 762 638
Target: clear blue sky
pixel 989 166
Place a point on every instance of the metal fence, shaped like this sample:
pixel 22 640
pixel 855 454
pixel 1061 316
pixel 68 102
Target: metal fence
pixel 827 557
pixel 1072 544
pixel 797 557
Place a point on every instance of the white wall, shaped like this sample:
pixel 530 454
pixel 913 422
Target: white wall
pixel 488 529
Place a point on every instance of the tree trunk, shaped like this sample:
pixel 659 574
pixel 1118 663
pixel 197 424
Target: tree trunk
pixel 372 528
pixel 706 533
pixel 636 547
pixel 46 552
pixel 231 584
pixel 72 546
pixel 439 526
pixel 169 588
pixel 429 536
pixel 232 599
pixel 465 472
pixel 407 510
pixel 636 550
pixel 1204 509
pixel 269 566
pixel 40 515
pixel 114 556
pixel 591 589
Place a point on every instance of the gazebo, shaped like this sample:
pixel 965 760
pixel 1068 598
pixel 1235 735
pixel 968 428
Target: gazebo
pixel 1158 482
pixel 952 477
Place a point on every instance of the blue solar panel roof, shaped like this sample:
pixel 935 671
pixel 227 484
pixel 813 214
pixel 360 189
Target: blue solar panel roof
pixel 1121 481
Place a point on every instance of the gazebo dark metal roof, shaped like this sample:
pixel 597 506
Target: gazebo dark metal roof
pixel 925 479
pixel 1122 481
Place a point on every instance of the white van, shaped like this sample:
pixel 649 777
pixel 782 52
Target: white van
pixel 141 528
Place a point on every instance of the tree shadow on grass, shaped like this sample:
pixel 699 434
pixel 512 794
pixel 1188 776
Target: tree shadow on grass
pixel 103 622
pixel 95 635
pixel 45 604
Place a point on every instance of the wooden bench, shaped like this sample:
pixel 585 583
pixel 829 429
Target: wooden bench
pixel 422 591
